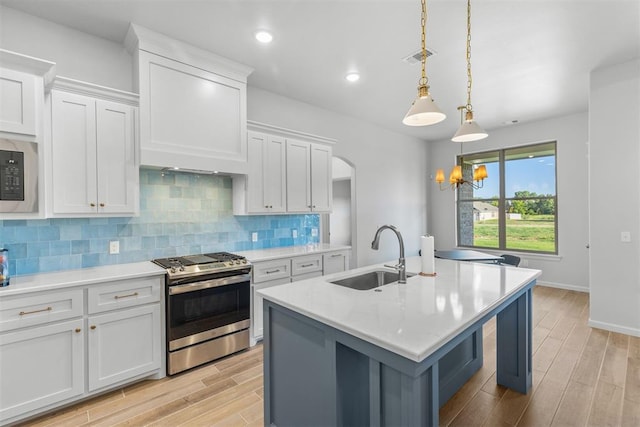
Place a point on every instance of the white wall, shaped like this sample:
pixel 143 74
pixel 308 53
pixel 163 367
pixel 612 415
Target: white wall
pixel 614 132
pixel 391 170
pixel 77 55
pixel 570 268
pixel 341 214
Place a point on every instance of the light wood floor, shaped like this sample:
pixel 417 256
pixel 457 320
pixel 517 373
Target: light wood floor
pixel 582 376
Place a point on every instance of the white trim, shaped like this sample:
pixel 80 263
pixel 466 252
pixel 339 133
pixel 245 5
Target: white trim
pixel 284 132
pixel 614 328
pixel 29 64
pixel 523 255
pixel 141 38
pixel 563 286
pixel 89 89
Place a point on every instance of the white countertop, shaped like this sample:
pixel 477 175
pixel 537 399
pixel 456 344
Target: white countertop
pixel 412 319
pixel 258 255
pixel 84 276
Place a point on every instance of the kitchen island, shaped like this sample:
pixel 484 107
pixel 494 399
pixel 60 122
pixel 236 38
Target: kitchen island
pixel 394 354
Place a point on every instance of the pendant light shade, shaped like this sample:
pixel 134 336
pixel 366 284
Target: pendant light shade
pixel 423 112
pixel 469 130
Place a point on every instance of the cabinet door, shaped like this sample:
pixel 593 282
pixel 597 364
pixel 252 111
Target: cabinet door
pixel 116 158
pixel 335 262
pixel 17 102
pixel 298 176
pixel 40 366
pixel 73 153
pixel 256 200
pixel 275 186
pixel 321 178
pixel 123 344
pixel 257 318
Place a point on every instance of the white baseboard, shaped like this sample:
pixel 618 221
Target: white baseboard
pixel 614 328
pixel 563 286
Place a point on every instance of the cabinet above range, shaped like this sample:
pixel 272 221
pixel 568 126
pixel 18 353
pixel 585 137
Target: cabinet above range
pixel 289 172
pixel 193 105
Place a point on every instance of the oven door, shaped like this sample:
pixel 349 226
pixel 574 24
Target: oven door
pixel 207 309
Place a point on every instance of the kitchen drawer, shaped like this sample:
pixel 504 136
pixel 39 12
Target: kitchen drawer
pixel 306 276
pixel 124 293
pixel 271 270
pixel 35 309
pixel 335 262
pixel 306 264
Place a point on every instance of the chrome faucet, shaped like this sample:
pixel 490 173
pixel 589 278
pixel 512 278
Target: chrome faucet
pixel 401 267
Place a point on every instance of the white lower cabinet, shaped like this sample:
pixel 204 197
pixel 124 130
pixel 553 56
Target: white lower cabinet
pixel 60 346
pixel 40 366
pixel 286 270
pixel 123 345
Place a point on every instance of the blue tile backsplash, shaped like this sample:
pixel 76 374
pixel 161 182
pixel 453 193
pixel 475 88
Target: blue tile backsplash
pixel 180 214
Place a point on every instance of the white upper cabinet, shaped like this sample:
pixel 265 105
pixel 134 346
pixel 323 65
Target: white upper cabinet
pixel 266 180
pixel 22 81
pixel 193 108
pixel 287 173
pixel 17 102
pixel 93 155
pixel 309 186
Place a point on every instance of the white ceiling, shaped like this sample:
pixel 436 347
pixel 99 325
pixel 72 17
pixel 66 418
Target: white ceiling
pixel 531 58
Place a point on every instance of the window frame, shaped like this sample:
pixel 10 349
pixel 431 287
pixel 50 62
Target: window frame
pixel 501 154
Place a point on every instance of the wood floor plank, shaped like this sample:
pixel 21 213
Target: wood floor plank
pixel 253 413
pixel 546 353
pixel 606 409
pixel 630 413
pixel 634 347
pixel 543 404
pixel 248 374
pixel 512 404
pixel 234 420
pixel 588 367
pixel 614 366
pixel 562 366
pixel 217 414
pixel 476 411
pixel 632 382
pixel 574 406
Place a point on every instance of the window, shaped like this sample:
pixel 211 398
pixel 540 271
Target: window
pixel 515 209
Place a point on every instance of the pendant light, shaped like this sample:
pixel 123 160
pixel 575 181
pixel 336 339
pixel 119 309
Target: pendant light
pixel 469 129
pixel 424 110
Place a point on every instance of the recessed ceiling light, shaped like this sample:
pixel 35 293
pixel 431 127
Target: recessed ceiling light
pixel 510 122
pixel 264 36
pixel 352 77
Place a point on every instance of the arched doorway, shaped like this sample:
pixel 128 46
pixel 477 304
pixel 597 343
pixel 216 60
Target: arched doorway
pixel 339 227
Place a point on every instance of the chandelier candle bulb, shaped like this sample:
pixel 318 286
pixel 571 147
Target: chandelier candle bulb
pixel 428 266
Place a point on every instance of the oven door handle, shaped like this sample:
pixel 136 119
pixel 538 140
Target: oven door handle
pixel 213 283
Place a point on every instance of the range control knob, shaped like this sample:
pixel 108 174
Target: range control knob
pixel 173 269
pixel 182 268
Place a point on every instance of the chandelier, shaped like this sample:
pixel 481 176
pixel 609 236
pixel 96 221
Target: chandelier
pixel 423 111
pixel 457 177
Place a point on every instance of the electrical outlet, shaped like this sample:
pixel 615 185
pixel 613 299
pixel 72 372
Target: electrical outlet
pixel 314 232
pixel 625 236
pixel 254 236
pixel 294 233
pixel 114 247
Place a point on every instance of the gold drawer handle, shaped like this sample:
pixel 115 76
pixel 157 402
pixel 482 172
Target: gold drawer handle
pixel 78 330
pixel 307 265
pixel 135 294
pixel 93 327
pixel 102 205
pixel 272 271
pixel 22 313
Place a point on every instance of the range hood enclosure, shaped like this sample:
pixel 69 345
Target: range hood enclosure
pixel 193 107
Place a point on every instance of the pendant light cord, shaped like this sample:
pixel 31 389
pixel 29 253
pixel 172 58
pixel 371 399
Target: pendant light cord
pixel 469 78
pixel 423 23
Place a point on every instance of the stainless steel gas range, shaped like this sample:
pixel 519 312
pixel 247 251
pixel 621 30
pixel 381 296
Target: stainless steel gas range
pixel 208 305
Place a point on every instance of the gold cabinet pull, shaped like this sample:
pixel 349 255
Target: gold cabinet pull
pixel 78 330
pixel 135 294
pixel 22 313
pixel 93 327
pixel 272 271
pixel 93 205
pixel 102 205
pixel 306 265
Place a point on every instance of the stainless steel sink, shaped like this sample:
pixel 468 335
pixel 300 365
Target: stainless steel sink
pixel 370 280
